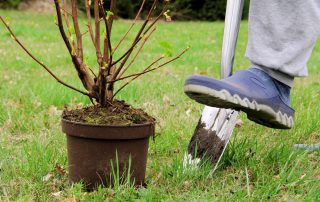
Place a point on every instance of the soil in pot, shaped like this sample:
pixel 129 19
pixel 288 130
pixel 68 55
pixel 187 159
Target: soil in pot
pixel 117 113
pixel 107 144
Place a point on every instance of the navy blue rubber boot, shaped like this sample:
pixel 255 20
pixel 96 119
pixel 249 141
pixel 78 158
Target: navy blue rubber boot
pixel 265 100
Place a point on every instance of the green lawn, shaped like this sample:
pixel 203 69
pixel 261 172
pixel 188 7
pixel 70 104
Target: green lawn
pixel 258 164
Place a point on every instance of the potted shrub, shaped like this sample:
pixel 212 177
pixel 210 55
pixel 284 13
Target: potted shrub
pixel 109 138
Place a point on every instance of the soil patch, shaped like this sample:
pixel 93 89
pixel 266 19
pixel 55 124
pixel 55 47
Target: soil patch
pixel 117 113
pixel 206 144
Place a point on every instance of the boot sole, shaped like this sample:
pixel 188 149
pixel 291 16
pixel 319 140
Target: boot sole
pixel 257 112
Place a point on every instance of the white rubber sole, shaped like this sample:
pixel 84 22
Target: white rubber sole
pixel 259 113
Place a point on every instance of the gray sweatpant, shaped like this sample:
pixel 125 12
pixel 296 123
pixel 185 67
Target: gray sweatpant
pixel 282 34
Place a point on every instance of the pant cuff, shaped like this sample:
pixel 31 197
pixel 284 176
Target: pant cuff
pixel 280 76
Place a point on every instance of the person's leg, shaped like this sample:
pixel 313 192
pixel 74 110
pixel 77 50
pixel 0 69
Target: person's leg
pixel 282 34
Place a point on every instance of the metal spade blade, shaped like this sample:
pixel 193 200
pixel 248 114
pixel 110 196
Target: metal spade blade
pixel 215 126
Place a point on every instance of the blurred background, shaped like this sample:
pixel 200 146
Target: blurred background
pixel 183 10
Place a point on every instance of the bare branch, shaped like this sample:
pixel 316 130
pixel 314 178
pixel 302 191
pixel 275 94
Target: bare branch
pixel 64 8
pixel 41 63
pixel 60 25
pixel 104 73
pixel 165 7
pixel 84 33
pixel 97 34
pixel 92 72
pixel 113 10
pixel 83 73
pixel 89 21
pixel 138 37
pixel 102 88
pixel 107 39
pixel 137 53
pixel 127 52
pixel 65 14
pixel 135 77
pixel 77 29
pixel 147 70
pixel 133 23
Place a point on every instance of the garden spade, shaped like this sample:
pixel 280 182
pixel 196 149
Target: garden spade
pixel 215 126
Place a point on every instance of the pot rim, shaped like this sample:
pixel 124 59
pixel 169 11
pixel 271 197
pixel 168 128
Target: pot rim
pixel 107 132
pixel 105 125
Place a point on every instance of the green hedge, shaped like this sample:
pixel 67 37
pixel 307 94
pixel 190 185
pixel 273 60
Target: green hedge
pixel 202 9
pixel 184 9
pixel 180 9
pixel 10 3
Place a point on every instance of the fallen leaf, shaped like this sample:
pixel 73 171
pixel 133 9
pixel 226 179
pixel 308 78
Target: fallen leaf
pixel 73 199
pixel 168 18
pixel 12 104
pixel 56 194
pixel 250 175
pixel 79 105
pixel 12 82
pixel 53 111
pixel 187 184
pixel 203 72
pixel 188 112
pixel 166 100
pixel 47 177
pixel 158 176
pixel 239 123
pixel 303 176
pixel 36 103
pixel 60 170
pixel 5 126
pixel 148 105
pixel 284 187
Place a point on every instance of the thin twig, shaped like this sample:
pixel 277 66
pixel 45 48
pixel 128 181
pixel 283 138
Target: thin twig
pixel 107 40
pixel 64 9
pixel 60 25
pixel 133 23
pixel 41 63
pixel 135 42
pixel 138 37
pixel 127 83
pixel 93 73
pixel 77 28
pixel 126 53
pixel 150 70
pixel 89 25
pixel 165 7
pixel 65 14
pixel 107 54
pixel 97 34
pixel 137 53
pixel 83 74
pixel 84 33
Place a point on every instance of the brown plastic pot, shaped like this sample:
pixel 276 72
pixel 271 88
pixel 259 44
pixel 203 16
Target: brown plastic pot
pixel 95 151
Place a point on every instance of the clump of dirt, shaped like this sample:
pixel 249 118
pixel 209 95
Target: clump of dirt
pixel 205 144
pixel 116 113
